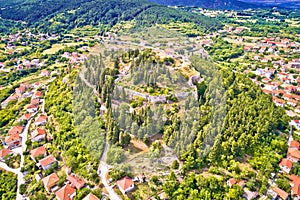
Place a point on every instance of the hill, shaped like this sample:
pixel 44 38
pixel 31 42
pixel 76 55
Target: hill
pixel 57 15
pixel 232 4
pixel 214 4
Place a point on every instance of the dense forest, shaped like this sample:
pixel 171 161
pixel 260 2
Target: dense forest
pixel 57 16
pixel 8 182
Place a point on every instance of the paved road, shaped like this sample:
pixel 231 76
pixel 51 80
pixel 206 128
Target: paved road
pixel 104 170
pixel 24 146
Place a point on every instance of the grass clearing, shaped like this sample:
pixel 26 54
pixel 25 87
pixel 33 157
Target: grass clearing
pixel 56 47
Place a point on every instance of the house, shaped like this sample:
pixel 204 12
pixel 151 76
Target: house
pixel 25 117
pixel 294 144
pixel 293 155
pixel 286 165
pixel 36 85
pixel 38 135
pixel 292 102
pixel 297 110
pixel 37 95
pixel 295 123
pixel 4 154
pixel 249 195
pixel 278 102
pixel 16 130
pixel 47 162
pixel 282 194
pixel 20 90
pixel 45 73
pixel 32 108
pixel 231 182
pixel 41 120
pixel 50 182
pixel 66 193
pixel 35 102
pixel 295 191
pixel 34 153
pixel 295 184
pixel 13 141
pixel 125 184
pixel 90 196
pixel 75 182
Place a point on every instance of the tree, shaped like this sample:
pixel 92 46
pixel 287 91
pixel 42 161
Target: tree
pixel 175 164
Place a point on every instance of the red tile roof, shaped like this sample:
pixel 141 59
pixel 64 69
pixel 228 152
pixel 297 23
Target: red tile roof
pixel 30 106
pixel 4 152
pixel 125 183
pixel 232 181
pixel 294 153
pixel 47 161
pixel 65 192
pixel 90 196
pixel 41 118
pixel 37 132
pixel 51 180
pixel 12 138
pixel 287 163
pixel 16 129
pixel 26 116
pixel 281 193
pixel 35 101
pixel 38 151
pixel 38 94
pixel 296 189
pixel 75 181
pixel 294 144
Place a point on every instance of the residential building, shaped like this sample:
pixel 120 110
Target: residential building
pixel 38 135
pixel 16 130
pixel 4 154
pixel 66 193
pixel 47 162
pixel 41 120
pixel 286 165
pixel 40 151
pixel 90 196
pixel 75 181
pixel 13 141
pixel 293 155
pixel 125 185
pixel 50 182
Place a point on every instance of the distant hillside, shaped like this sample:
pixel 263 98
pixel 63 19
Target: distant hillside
pixel 232 4
pixel 60 15
pixel 215 4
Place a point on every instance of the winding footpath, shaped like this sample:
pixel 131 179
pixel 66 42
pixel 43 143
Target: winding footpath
pixel 103 168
